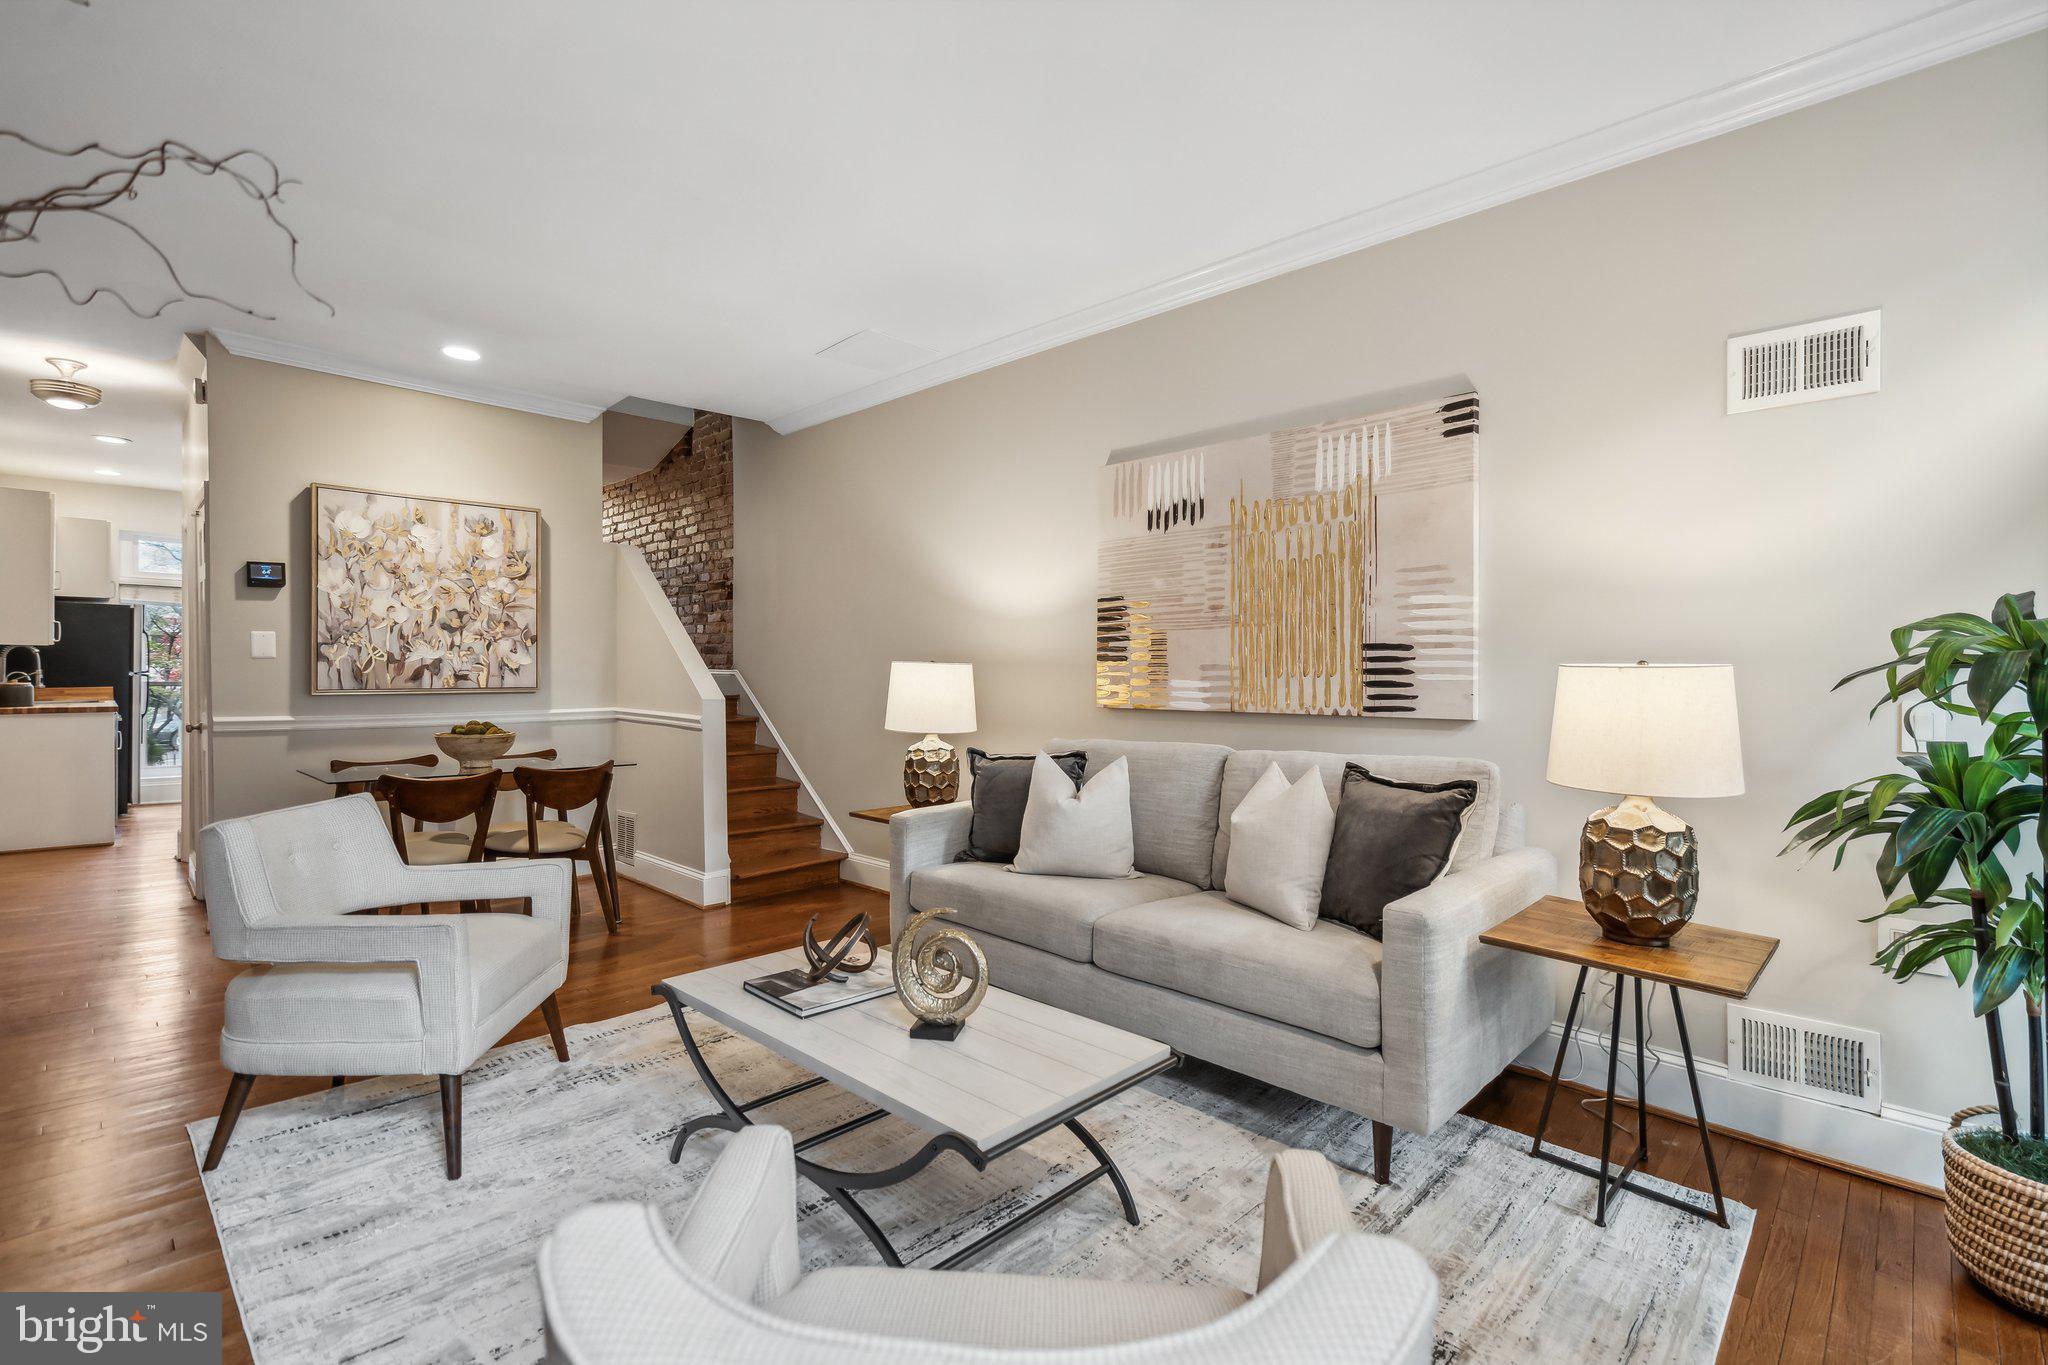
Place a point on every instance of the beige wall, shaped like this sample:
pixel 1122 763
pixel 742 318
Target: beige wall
pixel 146 511
pixel 1623 514
pixel 274 430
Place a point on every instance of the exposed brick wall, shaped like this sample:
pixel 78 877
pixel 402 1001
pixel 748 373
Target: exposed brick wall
pixel 680 515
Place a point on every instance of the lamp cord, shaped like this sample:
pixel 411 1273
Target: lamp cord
pixel 1608 998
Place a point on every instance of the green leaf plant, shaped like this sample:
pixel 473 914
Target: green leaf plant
pixel 1954 818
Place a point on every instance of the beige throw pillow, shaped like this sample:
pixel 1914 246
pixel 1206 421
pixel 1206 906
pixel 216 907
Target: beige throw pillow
pixel 1069 833
pixel 1279 846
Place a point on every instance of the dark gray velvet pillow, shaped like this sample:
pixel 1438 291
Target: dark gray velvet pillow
pixel 1002 788
pixel 1392 838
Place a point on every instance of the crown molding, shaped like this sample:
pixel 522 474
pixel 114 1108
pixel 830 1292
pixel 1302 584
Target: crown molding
pixel 1953 31
pixel 251 347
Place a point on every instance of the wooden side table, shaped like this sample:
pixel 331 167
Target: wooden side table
pixel 879 814
pixel 1723 962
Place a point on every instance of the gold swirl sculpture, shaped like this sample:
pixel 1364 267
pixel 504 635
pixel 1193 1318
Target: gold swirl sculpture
pixel 943 979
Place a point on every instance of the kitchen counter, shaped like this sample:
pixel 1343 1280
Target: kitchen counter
pixel 59 708
pixel 64 736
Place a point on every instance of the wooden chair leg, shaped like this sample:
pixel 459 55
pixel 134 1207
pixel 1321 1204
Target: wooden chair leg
pixel 575 901
pixel 1382 1152
pixel 552 1012
pixel 609 868
pixel 339 1082
pixel 451 1123
pixel 230 1110
pixel 604 896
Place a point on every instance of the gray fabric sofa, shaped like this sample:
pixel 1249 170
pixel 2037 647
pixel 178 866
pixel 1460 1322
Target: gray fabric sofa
pixel 1401 1031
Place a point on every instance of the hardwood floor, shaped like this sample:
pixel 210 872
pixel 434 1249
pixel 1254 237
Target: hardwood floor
pixel 109 1028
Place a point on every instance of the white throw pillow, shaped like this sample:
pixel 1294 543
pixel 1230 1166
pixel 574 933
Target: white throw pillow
pixel 1279 846
pixel 1068 833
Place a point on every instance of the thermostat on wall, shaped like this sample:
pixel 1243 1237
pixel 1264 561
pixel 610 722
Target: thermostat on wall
pixel 262 573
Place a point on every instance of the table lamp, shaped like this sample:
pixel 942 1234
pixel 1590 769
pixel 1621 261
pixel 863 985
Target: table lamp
pixel 925 698
pixel 1667 729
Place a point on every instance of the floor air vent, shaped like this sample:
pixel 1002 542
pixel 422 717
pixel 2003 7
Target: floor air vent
pixel 624 823
pixel 1804 1057
pixel 1833 358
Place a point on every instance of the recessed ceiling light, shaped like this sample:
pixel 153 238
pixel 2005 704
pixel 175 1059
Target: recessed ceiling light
pixel 465 353
pixel 108 473
pixel 113 440
pixel 66 391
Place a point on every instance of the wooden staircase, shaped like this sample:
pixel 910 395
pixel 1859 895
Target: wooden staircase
pixel 773 846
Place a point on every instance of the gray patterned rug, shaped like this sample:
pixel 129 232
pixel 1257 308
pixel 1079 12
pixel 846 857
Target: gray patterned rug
pixel 344 1241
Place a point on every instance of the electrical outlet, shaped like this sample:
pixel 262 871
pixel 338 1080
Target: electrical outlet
pixel 1890 927
pixel 263 644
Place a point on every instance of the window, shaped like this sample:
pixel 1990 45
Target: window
pixel 152 559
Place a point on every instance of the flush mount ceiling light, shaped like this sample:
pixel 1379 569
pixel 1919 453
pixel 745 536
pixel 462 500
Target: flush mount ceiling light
pixel 462 353
pixel 64 391
pixel 112 440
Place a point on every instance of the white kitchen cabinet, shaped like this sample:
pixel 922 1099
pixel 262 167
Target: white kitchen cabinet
pixel 28 567
pixel 88 555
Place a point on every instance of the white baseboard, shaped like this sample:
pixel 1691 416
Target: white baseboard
pixel 692 884
pixel 864 869
pixel 1899 1142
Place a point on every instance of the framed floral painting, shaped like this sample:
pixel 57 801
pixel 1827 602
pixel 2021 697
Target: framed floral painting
pixel 423 594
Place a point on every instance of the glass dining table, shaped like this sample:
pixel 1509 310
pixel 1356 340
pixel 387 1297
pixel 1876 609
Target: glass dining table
pixel 346 779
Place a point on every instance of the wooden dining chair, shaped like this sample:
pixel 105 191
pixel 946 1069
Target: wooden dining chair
pixel 439 801
pixel 563 790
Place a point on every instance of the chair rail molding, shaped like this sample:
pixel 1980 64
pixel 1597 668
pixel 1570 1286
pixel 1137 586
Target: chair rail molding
pixel 390 720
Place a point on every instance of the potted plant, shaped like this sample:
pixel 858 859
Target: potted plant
pixel 1951 822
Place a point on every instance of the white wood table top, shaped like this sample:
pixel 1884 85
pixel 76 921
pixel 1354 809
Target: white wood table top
pixel 1015 1065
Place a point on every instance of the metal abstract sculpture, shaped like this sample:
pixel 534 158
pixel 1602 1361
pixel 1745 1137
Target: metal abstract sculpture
pixel 941 980
pixel 834 959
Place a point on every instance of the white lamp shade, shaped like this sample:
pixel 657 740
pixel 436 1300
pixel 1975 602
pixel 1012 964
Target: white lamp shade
pixel 930 699
pixel 1656 730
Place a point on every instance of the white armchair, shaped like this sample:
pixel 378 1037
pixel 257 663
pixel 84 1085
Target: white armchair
pixel 619 1290
pixel 375 996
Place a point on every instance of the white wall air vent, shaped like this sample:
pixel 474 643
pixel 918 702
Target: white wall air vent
pixel 624 825
pixel 1833 358
pixel 1828 1062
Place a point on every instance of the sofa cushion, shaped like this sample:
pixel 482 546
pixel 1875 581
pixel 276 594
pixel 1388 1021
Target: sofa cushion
pixel 1205 945
pixel 1174 788
pixel 1056 914
pixel 1068 833
pixel 1244 766
pixel 1002 785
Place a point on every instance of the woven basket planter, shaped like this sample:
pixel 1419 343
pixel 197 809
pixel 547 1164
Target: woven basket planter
pixel 1997 1221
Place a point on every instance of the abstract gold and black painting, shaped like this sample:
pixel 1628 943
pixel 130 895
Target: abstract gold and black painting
pixel 1325 569
pixel 423 594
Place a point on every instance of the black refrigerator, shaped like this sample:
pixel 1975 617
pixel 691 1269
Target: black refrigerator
pixel 96 648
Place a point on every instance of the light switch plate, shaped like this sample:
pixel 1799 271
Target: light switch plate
pixel 263 644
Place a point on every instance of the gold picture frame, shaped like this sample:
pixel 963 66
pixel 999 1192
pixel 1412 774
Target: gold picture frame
pixel 413 594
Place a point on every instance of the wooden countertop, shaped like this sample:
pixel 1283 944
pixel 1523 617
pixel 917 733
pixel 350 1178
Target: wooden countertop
pixel 59 701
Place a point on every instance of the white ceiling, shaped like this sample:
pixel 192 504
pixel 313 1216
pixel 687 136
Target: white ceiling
pixel 688 201
pixel 144 401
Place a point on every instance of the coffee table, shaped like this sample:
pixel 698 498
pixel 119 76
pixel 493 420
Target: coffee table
pixel 1017 1071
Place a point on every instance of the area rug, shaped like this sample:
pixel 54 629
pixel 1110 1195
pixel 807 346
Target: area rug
pixel 345 1243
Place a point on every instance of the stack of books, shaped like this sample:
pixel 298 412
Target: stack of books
pixel 789 991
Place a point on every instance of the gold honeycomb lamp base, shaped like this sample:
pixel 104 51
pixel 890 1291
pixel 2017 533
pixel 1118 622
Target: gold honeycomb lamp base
pixel 1639 872
pixel 931 773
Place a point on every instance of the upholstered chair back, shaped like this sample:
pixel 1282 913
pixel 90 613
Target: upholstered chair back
pixel 299 863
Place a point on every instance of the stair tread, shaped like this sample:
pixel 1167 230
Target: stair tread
pixel 734 749
pixel 770 824
pixel 779 784
pixel 765 864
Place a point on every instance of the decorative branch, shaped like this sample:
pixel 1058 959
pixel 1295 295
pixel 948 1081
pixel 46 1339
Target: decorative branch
pixel 95 196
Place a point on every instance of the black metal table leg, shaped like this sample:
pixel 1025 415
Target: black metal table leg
pixel 1557 1068
pixel 1642 1084
pixel 1607 1115
pixel 1699 1112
